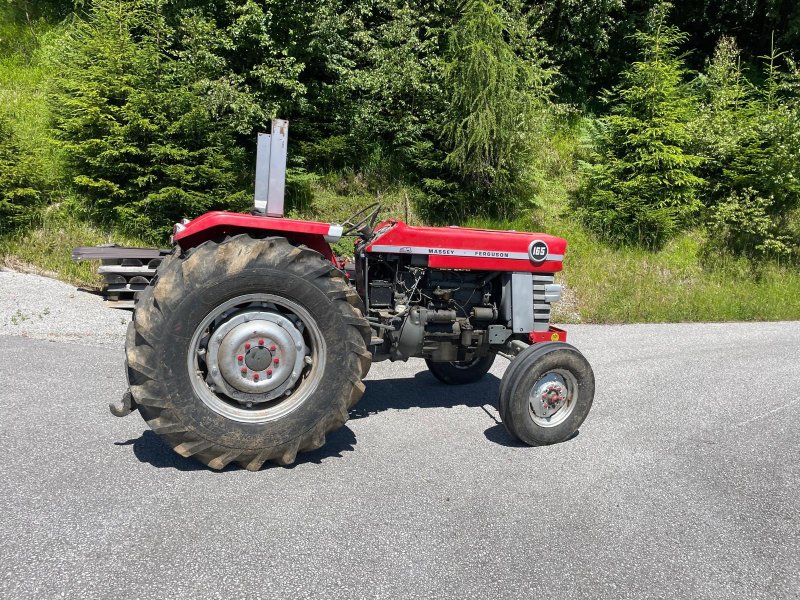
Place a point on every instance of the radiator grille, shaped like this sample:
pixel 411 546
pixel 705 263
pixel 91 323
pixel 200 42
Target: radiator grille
pixel 541 308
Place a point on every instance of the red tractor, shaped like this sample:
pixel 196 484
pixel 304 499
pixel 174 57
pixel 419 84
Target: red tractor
pixel 252 340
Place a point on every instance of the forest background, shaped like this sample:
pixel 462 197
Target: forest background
pixel 662 140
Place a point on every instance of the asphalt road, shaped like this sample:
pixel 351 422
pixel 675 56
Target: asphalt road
pixel 684 482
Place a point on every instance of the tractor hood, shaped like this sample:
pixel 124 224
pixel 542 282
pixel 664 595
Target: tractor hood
pixel 476 249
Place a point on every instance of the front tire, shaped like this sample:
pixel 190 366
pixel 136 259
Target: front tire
pixel 247 350
pixel 546 393
pixel 463 372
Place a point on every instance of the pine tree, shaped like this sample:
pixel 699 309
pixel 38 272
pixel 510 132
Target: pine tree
pixel 643 185
pixel 20 193
pixel 142 145
pixel 722 120
pixel 750 137
pixel 498 88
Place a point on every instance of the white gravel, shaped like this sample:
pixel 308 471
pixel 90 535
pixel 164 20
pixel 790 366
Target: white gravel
pixel 38 307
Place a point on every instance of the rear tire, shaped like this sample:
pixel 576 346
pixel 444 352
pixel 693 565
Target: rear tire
pixel 546 393
pixel 459 373
pixel 183 370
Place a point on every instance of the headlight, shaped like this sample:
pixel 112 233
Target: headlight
pixel 552 292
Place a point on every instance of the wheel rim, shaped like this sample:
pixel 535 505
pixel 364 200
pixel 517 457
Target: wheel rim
pixel 553 398
pixel 465 365
pixel 256 358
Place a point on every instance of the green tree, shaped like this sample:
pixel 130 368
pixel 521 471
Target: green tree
pixel 371 72
pixel 642 187
pixel 142 139
pixel 750 138
pixel 580 33
pixel 498 89
pixel 20 189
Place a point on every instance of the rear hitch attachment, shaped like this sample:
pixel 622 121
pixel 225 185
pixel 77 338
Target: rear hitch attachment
pixel 124 407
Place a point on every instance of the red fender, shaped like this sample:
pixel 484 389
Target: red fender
pixel 218 224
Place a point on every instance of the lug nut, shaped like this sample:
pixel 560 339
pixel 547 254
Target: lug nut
pixel 260 342
pixel 240 358
pixel 247 345
pixel 269 372
pixel 276 360
pixel 255 377
pixel 244 370
pixel 272 348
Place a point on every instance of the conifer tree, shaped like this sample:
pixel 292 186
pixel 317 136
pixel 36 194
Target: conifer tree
pixel 750 138
pixel 643 186
pixel 498 86
pixel 20 190
pixel 140 142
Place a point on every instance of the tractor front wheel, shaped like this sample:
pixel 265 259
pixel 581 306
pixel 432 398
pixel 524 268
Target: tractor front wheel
pixel 248 350
pixel 546 393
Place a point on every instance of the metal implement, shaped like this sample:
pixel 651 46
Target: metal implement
pixel 124 271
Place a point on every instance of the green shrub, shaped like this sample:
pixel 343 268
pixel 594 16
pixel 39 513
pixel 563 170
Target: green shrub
pixel 137 123
pixel 750 138
pixel 642 185
pixel 20 188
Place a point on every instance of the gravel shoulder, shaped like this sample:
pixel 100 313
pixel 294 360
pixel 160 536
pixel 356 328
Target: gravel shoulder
pixel 37 307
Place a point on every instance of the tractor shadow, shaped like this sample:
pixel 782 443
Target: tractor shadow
pixel 421 391
pixel 424 391
pixel 151 449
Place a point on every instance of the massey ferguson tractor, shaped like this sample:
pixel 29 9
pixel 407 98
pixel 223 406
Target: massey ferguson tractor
pixel 251 341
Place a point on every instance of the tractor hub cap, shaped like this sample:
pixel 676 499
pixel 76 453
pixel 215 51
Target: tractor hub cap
pixel 256 352
pixel 552 398
pixel 256 358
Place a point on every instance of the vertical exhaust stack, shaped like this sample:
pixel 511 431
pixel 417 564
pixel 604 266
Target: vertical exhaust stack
pixel 271 170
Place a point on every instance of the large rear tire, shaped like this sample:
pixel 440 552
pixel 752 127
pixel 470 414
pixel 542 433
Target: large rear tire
pixel 249 350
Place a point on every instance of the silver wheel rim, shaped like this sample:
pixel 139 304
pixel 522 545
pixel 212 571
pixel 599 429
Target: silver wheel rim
pixel 256 358
pixel 553 398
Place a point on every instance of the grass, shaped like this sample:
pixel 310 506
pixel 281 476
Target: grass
pixel 23 90
pixel 675 284
pixel 47 248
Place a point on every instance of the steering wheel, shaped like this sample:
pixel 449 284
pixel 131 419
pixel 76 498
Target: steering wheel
pixel 362 221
